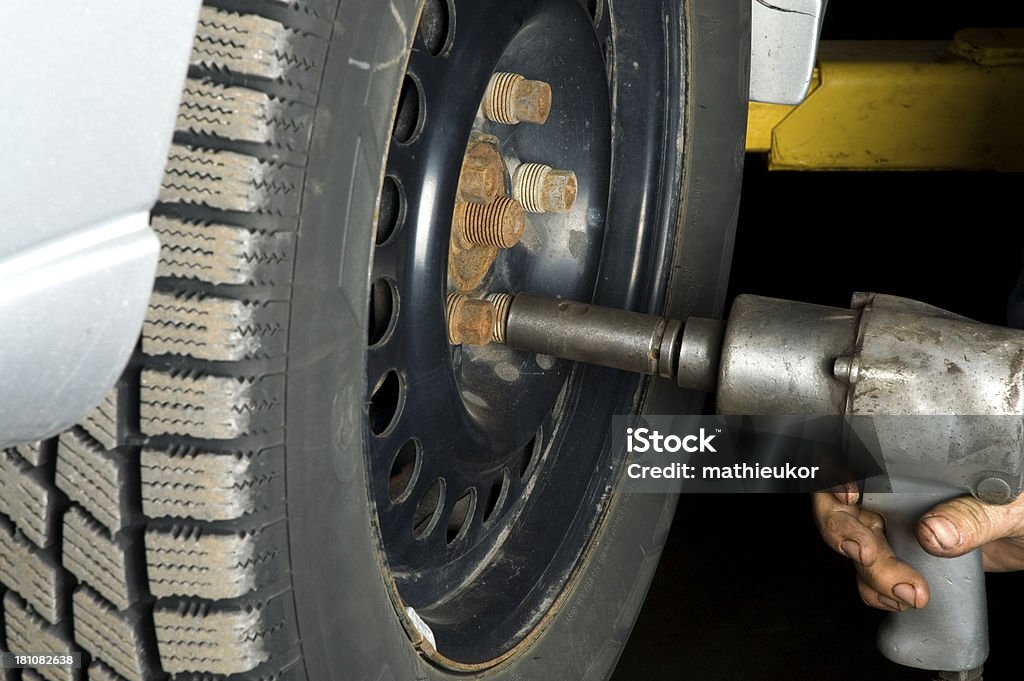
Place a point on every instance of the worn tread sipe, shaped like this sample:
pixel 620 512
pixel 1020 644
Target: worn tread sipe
pixel 100 672
pixel 151 536
pixel 113 636
pixel 26 498
pixel 188 560
pixel 227 180
pixel 223 254
pixel 210 406
pixel 95 478
pixel 101 422
pixel 252 45
pixel 97 559
pixel 196 635
pixel 32 573
pixel 28 632
pixel 211 486
pixel 244 115
pixel 33 453
pixel 211 328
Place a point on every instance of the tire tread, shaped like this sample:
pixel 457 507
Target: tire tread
pixel 152 535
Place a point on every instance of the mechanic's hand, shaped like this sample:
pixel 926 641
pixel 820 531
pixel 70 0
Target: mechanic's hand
pixel 950 529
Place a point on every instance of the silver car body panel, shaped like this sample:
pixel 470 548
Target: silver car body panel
pixel 783 48
pixel 87 108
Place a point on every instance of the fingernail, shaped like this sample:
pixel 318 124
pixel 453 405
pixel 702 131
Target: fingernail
pixel 943 530
pixel 906 593
pixel 890 603
pixel 851 549
pixel 844 494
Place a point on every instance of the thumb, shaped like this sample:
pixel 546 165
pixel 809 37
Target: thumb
pixel 960 525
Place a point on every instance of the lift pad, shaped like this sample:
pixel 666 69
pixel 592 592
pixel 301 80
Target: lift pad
pixel 894 105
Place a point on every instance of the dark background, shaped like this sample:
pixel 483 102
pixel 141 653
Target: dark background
pixel 746 590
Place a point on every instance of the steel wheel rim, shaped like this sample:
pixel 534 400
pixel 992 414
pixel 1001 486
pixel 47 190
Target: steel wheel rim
pixel 538 478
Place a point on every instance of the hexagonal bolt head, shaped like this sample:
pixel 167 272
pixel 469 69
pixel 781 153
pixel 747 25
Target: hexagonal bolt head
pixel 500 223
pixel 470 321
pixel 483 174
pixel 511 99
pixel 542 189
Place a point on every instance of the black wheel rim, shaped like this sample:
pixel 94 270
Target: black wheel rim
pixel 490 468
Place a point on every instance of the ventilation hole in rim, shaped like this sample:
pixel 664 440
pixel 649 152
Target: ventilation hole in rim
pixel 404 471
pixel 461 516
pixel 436 25
pixel 428 510
pixel 382 309
pixel 385 403
pixel 409 121
pixel 495 498
pixel 392 210
pixel 528 454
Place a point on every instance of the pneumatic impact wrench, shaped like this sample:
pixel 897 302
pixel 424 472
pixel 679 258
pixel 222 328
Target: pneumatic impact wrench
pixel 945 393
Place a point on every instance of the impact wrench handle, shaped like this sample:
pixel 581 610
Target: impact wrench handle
pixel 951 632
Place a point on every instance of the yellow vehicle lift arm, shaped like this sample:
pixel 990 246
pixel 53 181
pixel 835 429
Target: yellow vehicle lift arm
pixel 893 105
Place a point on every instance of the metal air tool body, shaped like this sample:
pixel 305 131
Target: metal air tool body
pixel 945 393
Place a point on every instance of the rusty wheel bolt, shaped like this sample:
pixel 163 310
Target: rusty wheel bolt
pixel 511 99
pixel 469 321
pixel 542 189
pixel 499 223
pixel 483 174
pixel 501 302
